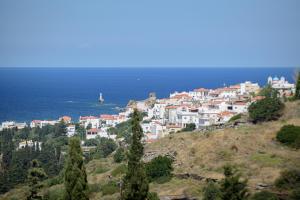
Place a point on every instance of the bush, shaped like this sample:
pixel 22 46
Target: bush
pixel 295 195
pixel 266 109
pixel 109 188
pixel 232 186
pixel 158 167
pixel 119 155
pixel 152 196
pixel 264 195
pixel 212 192
pixel 289 135
pixel 189 127
pixel 91 142
pixel 235 117
pixel 289 179
pixel 104 148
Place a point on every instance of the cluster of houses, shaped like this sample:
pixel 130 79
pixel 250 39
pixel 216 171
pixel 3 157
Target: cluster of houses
pixel 201 107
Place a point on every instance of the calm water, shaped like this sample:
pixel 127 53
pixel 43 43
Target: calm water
pixel 31 93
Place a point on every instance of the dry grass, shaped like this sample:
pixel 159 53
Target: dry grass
pixel 259 157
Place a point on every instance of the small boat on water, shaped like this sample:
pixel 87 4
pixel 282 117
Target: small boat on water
pixel 101 99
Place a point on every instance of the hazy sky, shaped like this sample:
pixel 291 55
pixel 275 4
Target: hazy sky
pixel 104 33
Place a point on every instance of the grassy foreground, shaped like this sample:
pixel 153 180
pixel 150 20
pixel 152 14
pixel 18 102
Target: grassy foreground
pixel 252 148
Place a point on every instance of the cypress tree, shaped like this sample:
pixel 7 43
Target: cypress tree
pixel 75 177
pixel 35 175
pixel 297 93
pixel 135 184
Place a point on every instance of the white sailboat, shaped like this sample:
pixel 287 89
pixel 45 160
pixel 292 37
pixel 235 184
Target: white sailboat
pixel 101 99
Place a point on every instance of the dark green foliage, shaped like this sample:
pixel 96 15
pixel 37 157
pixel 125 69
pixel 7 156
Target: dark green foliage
pixel 35 175
pixel 264 195
pixel 297 93
pixel 266 109
pixel 91 142
pixel 212 192
pixel 60 129
pixel 235 117
pixel 295 194
pixel 158 167
pixel 105 146
pixel 76 186
pixel 135 185
pixel 189 127
pixel 49 160
pixel 268 92
pixel 289 135
pixel 80 131
pixel 16 162
pixel 289 179
pixel 120 155
pixel 232 187
pixel 153 196
pixel 124 130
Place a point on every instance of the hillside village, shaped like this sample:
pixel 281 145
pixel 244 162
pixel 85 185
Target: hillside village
pixel 201 107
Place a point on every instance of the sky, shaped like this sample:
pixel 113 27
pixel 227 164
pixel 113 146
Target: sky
pixel 149 33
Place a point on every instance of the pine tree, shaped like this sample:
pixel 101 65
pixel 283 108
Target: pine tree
pixel 75 177
pixel 297 93
pixel 232 187
pixel 7 147
pixel 35 176
pixel 135 184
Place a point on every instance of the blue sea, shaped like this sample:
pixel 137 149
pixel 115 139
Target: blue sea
pixel 47 93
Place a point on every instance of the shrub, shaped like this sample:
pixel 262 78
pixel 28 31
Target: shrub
pixel 91 142
pixel 235 117
pixel 158 167
pixel 212 192
pixel 232 187
pixel 266 109
pixel 104 148
pixel 109 188
pixel 289 179
pixel 295 194
pixel 264 195
pixel 289 135
pixel 119 156
pixel 152 196
pixel 189 127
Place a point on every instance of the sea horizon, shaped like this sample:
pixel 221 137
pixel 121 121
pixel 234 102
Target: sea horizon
pixel 29 93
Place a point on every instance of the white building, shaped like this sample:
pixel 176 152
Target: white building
pixel 29 143
pixel 42 123
pixel 282 85
pixel 70 130
pixel 248 87
pixel 93 121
